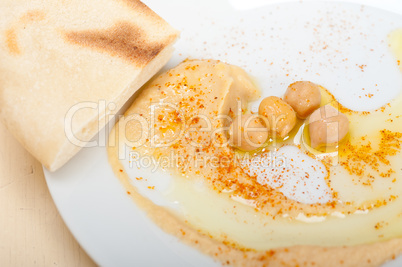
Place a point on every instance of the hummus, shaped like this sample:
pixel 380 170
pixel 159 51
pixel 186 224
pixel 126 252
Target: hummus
pixel 236 218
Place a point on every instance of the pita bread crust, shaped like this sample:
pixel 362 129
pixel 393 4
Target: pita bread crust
pixel 78 58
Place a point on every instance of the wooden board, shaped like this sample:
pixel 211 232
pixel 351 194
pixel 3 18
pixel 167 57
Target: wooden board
pixel 32 233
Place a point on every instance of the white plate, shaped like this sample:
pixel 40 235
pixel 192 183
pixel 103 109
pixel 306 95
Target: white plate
pixel 278 44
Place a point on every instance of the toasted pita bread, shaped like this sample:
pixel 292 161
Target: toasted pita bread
pixel 65 66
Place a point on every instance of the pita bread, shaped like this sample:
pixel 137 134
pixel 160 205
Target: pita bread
pixel 65 66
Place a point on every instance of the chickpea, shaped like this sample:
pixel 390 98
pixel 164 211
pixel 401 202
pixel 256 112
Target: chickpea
pixel 248 132
pixel 304 97
pixel 327 126
pixel 281 116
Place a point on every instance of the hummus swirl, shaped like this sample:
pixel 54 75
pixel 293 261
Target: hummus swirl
pixel 186 112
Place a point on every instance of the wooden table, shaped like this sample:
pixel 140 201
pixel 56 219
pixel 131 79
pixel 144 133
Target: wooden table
pixel 32 232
